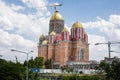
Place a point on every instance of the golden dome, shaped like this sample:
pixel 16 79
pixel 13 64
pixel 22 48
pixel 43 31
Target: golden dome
pixel 65 29
pixel 56 16
pixel 45 42
pixel 77 25
pixel 85 33
pixel 52 33
pixel 42 36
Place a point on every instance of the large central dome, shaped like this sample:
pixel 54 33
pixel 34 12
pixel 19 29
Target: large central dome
pixel 56 16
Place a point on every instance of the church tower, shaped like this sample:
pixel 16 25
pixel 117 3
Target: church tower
pixel 56 23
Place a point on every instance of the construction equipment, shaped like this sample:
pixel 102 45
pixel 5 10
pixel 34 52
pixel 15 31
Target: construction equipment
pixel 55 5
pixel 109 46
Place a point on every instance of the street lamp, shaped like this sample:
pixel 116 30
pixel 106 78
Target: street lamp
pixel 27 59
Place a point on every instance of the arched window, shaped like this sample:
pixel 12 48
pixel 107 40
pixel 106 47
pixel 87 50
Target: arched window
pixel 81 54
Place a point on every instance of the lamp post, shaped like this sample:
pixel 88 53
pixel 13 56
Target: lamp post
pixel 27 59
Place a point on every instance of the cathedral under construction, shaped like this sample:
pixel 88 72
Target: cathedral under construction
pixel 62 46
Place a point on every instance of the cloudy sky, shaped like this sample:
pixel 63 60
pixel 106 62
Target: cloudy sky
pixel 23 21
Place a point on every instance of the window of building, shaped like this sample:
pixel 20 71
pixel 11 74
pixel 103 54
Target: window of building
pixel 81 54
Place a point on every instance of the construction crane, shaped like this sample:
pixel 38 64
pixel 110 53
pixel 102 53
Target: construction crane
pixel 55 5
pixel 51 5
pixel 109 46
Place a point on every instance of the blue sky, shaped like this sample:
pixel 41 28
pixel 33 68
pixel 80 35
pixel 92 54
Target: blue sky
pixel 23 21
pixel 86 10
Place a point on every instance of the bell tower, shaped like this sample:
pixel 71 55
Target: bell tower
pixel 56 23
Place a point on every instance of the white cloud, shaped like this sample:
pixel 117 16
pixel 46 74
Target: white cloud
pixel 9 41
pixel 38 4
pixel 115 19
pixel 23 23
pixel 16 8
pixel 21 31
pixel 97 52
pixel 99 23
pixel 111 31
pixel 108 27
pixel 17 28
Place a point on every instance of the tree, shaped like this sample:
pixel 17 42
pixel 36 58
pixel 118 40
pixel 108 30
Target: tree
pixel 63 68
pixel 116 70
pixel 11 71
pixel 102 65
pixel 17 71
pixel 38 62
pixel 48 64
pixel 112 70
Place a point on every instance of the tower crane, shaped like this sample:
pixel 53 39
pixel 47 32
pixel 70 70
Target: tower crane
pixel 51 5
pixel 55 5
pixel 109 46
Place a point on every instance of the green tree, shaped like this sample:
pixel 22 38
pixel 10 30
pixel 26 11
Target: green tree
pixel 11 71
pixel 48 64
pixel 63 68
pixel 116 70
pixel 38 62
pixel 112 70
pixel 102 65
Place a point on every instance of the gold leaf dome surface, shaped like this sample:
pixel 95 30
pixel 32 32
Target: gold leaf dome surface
pixel 52 33
pixel 45 42
pixel 85 33
pixel 65 29
pixel 42 36
pixel 77 25
pixel 56 16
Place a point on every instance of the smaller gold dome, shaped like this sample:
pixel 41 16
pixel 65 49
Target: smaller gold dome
pixel 52 33
pixel 85 33
pixel 56 16
pixel 65 29
pixel 77 25
pixel 45 42
pixel 42 36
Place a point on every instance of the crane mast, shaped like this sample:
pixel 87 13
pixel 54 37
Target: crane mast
pixel 109 46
